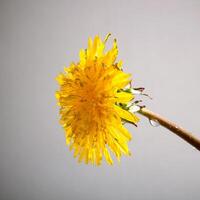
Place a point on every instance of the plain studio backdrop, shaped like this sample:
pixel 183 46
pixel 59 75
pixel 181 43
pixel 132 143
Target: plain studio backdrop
pixel 159 42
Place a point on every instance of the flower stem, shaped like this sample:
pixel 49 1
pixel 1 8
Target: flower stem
pixel 184 134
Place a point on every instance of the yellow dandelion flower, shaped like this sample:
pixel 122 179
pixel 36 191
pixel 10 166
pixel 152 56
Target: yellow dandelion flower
pixel 91 99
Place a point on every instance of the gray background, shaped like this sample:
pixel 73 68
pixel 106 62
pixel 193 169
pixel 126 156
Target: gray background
pixel 159 42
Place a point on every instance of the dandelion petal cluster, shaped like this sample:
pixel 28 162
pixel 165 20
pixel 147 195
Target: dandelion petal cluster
pixel 90 94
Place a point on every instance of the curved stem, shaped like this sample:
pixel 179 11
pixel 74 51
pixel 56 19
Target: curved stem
pixel 184 134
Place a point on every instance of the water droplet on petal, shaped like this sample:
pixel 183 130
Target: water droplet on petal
pixel 154 122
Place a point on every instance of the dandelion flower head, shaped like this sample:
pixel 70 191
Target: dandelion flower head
pixel 91 97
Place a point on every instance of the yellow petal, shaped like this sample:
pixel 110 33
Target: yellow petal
pixel 82 56
pixel 123 97
pixel 57 95
pixel 107 156
pixel 61 79
pixel 125 132
pixel 124 114
pixel 121 79
pixel 111 55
